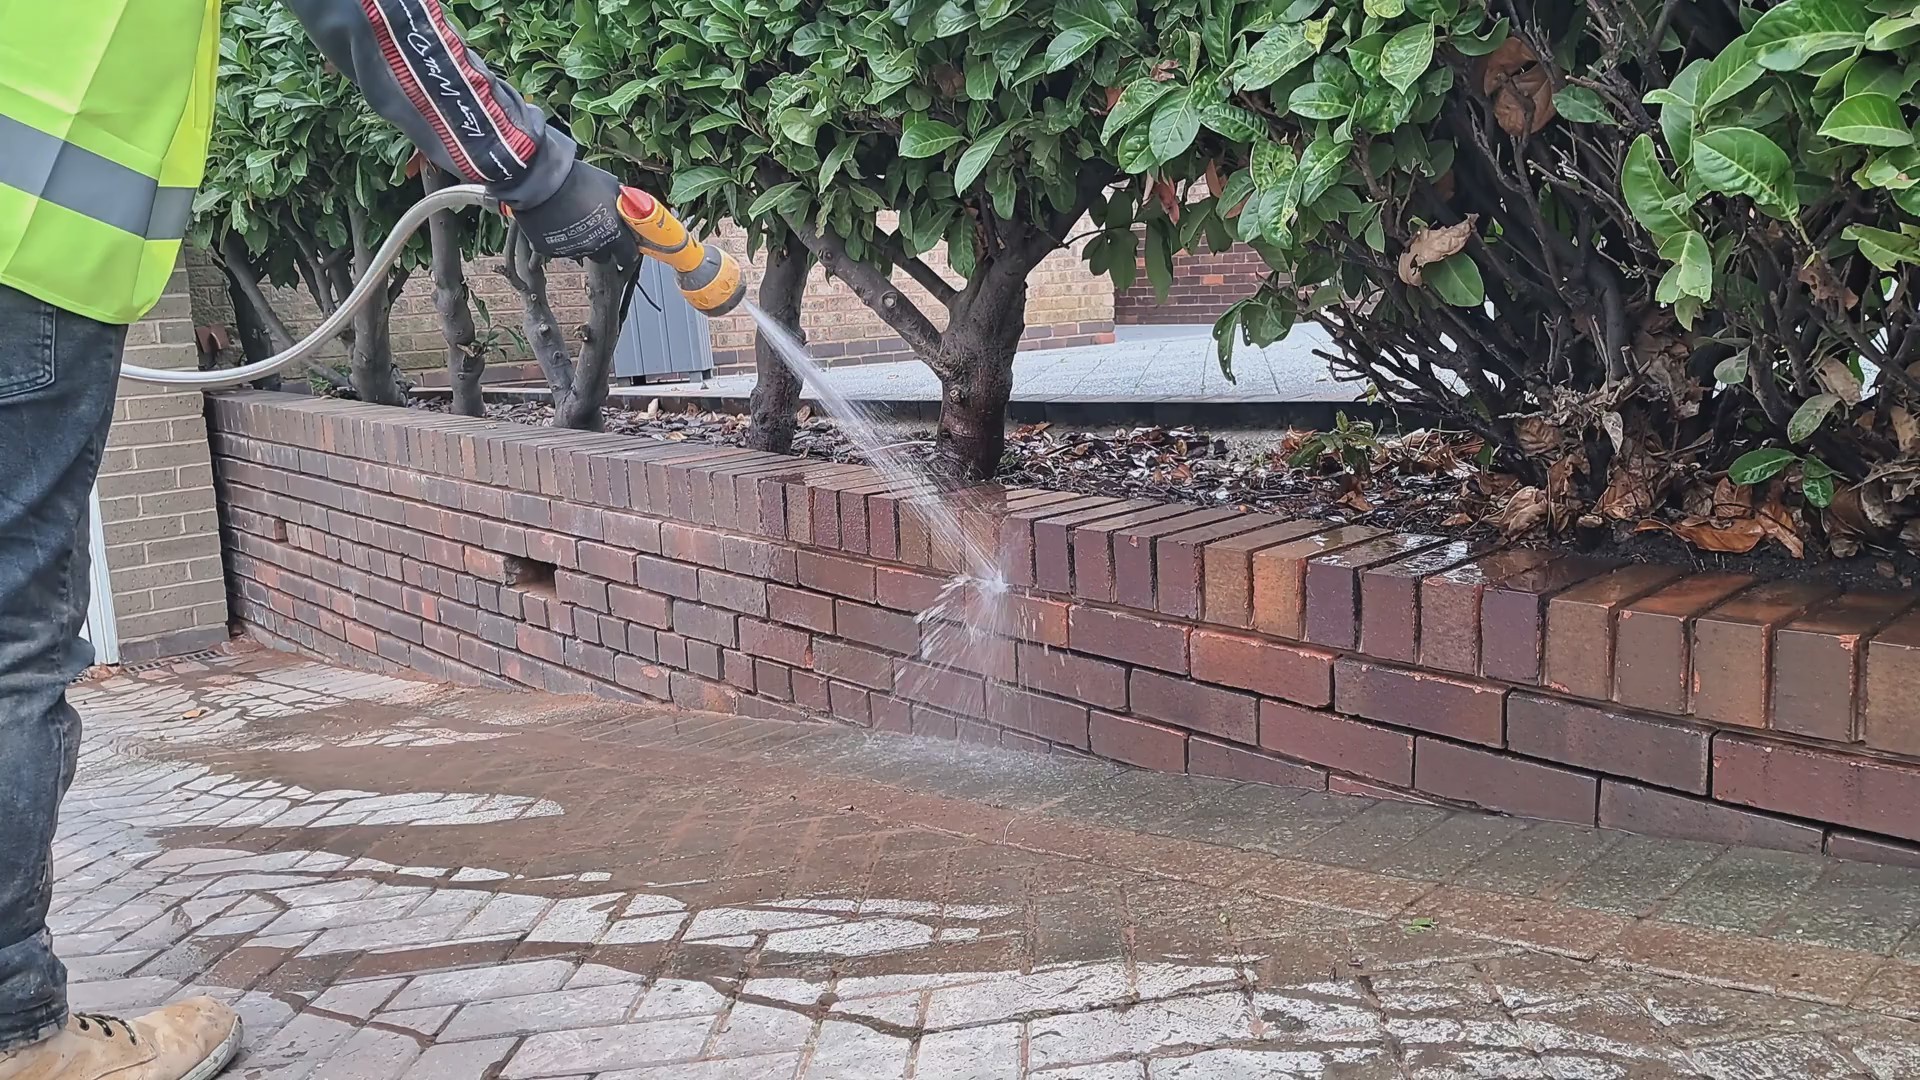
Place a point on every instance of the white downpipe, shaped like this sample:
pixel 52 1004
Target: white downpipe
pixel 101 628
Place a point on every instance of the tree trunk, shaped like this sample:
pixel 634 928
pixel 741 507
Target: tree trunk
pixel 776 388
pixel 466 359
pixel 582 410
pixel 975 363
pixel 370 362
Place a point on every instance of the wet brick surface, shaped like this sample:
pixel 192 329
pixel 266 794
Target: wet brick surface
pixel 399 881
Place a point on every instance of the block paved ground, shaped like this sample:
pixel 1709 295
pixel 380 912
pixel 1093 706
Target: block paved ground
pixel 393 879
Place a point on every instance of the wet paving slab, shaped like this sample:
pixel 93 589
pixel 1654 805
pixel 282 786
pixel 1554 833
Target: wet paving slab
pixel 398 880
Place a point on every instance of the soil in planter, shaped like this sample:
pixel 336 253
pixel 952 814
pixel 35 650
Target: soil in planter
pixel 1427 481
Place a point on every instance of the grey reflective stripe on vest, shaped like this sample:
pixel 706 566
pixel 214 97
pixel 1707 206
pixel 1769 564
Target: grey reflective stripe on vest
pixel 61 173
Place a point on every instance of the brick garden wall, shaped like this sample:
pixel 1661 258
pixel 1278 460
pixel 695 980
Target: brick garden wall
pixel 1242 646
pixel 1205 284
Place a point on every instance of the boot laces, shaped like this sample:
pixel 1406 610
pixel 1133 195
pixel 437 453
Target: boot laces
pixel 88 1021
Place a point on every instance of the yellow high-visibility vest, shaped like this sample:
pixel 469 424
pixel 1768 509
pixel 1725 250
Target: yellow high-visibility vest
pixel 105 111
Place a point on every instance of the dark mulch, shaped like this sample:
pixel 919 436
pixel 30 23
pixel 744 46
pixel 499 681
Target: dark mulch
pixel 1423 481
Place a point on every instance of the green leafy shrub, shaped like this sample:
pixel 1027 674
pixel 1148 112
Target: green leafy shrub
pixel 1553 222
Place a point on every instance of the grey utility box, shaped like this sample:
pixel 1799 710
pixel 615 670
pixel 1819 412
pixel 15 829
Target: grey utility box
pixel 664 338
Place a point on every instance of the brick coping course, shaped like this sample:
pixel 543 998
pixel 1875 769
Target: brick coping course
pixel 1705 706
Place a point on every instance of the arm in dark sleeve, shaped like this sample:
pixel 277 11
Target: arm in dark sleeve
pixel 415 71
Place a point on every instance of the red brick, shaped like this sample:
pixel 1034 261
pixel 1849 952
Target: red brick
pixel 969 648
pixel 1179 561
pixel 760 559
pixel 1733 650
pixel 1050 718
pixel 1280 577
pixel 1016 532
pixel 490 565
pixel 1891 720
pixel 1024 744
pixel 1135 578
pixel 1457 708
pixel 1052 539
pixel 737 670
pixel 1662 752
pixel 1226 570
pixel 1333 615
pixel 934 724
pixel 704 623
pixel 1137 742
pixel 672 578
pixel 943 688
pixel 672 649
pixel 811 610
pixel 1337 742
pixel 850 703
pixel 1652 812
pixel 879 627
pixel 836 575
pixel 1504 783
pixel 1031 618
pixel 1839 788
pixel 1227 762
pixel 703 658
pixel 1450 607
pixel 890 713
pixel 649 679
pixel 1818 664
pixel 773 680
pixel 607 562
pixel 647 608
pixel 1195 706
pixel 1651 638
pixel 855 524
pixel 1863 848
pixel 853 664
pixel 780 643
pixel 907 590
pixel 1264 667
pixel 702 695
pixel 1074 677
pixel 1128 638
pixel 1390 599
pixel 1513 616
pixel 810 690
pixel 1579 652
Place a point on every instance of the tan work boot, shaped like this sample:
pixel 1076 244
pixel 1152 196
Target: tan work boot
pixel 191 1040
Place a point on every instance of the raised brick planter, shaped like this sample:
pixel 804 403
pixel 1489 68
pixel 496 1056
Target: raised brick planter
pixel 1705 706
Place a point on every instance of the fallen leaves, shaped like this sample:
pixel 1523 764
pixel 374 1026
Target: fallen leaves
pixel 1735 525
pixel 1526 511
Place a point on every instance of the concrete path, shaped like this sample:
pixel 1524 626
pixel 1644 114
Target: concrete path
pixel 398 880
pixel 1166 374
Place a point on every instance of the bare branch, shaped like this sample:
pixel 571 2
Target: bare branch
pixel 871 287
pixel 927 276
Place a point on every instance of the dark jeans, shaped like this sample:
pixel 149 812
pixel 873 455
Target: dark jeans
pixel 57 377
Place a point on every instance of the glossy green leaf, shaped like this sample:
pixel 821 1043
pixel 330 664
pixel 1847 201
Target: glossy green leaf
pixel 1760 466
pixel 691 184
pixel 1232 122
pixel 1729 73
pixel 1893 32
pixel 1069 46
pixel 1279 51
pixel 1456 280
pixel 1868 119
pixel 1692 271
pixel 1134 101
pixel 1582 106
pixel 976 158
pixel 1386 9
pixel 1741 161
pixel 1175 124
pixel 925 138
pixel 1883 248
pixel 1406 56
pixel 1650 195
pixel 1790 35
pixel 1319 101
pixel 1816 481
pixel 1810 415
pixel 1733 370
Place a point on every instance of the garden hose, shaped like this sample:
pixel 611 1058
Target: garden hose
pixel 709 278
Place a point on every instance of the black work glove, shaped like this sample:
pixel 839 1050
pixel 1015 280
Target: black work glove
pixel 579 221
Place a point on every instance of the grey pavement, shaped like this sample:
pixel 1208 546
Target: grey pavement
pixel 394 880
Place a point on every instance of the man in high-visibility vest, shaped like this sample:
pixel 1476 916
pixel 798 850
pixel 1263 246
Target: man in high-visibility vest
pixel 105 110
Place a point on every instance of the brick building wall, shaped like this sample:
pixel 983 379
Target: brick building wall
pixel 1643 698
pixel 1205 284
pixel 156 497
pixel 1066 306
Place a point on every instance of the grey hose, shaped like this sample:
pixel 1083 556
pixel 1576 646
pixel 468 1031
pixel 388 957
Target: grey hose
pixel 410 222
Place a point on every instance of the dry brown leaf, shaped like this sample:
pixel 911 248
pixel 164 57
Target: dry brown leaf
pixel 1906 430
pixel 1169 199
pixel 1536 436
pixel 1514 78
pixel 1526 511
pixel 1630 488
pixel 193 714
pixel 1215 185
pixel 1357 502
pixel 1730 499
pixel 1733 537
pixel 805 414
pixel 1455 521
pixel 1662 352
pixel 1113 97
pixel 1777 522
pixel 1819 279
pixel 1433 245
pixel 1840 380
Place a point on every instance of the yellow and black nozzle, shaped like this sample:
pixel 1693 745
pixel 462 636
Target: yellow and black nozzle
pixel 709 278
